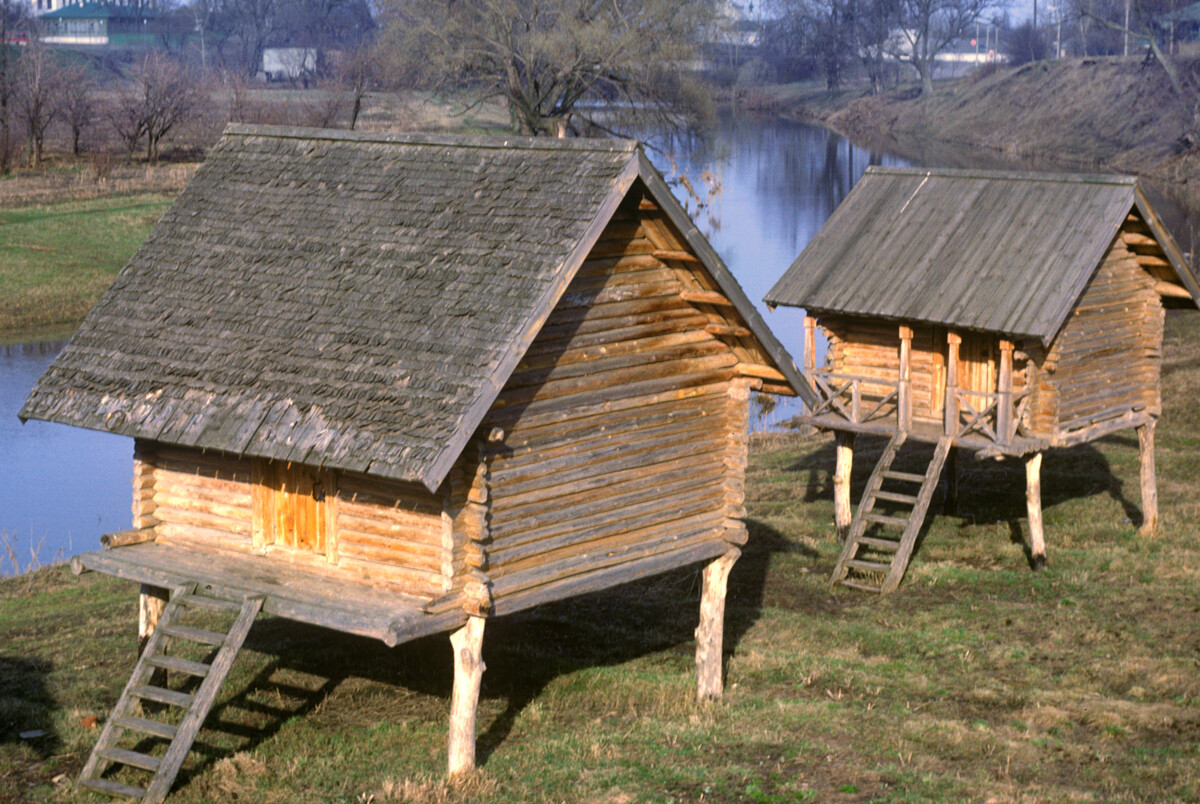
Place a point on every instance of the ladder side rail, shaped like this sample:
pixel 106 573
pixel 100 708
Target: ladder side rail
pixel 111 732
pixel 206 695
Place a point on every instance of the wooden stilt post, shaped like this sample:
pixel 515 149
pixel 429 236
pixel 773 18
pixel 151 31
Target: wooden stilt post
pixel 951 407
pixel 951 473
pixel 467 643
pixel 1149 484
pixel 842 512
pixel 1033 502
pixel 710 633
pixel 810 348
pixel 151 602
pixel 904 390
pixel 1004 407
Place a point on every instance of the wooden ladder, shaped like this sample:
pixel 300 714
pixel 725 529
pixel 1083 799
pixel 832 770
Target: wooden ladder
pixel 126 716
pixel 861 564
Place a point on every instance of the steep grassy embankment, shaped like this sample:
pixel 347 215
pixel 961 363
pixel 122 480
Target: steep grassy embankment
pixel 1111 114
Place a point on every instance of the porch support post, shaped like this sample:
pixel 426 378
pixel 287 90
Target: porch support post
pixel 151 602
pixel 810 344
pixel 467 643
pixel 1004 409
pixel 710 633
pixel 1033 503
pixel 951 407
pixel 842 513
pixel 1149 484
pixel 904 389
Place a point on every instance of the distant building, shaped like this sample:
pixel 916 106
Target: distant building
pixel 96 24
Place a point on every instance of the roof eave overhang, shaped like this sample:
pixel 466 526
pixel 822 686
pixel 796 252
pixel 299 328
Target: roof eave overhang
pixel 1170 248
pixel 725 279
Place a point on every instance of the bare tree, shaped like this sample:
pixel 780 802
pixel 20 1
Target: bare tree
pixel 563 66
pixel 78 103
pixel 1139 24
pixel 40 81
pixel 870 24
pixel 928 26
pixel 12 15
pixel 355 74
pixel 163 97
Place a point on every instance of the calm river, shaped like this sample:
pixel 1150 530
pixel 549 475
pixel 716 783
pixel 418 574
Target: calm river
pixel 60 488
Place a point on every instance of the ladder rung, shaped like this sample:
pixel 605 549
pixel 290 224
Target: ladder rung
pixel 113 788
pixel 204 601
pixel 132 758
pixel 144 726
pixel 887 545
pixel 191 668
pixel 897 521
pixel 195 634
pixel 867 566
pixel 907 477
pixel 171 697
pixel 892 496
pixel 866 587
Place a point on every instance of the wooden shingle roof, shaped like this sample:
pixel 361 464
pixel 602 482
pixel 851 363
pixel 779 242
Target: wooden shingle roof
pixel 985 250
pixel 348 300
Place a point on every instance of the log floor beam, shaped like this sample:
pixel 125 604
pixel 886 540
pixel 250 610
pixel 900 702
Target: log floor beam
pixel 843 513
pixel 467 643
pixel 710 633
pixel 1033 503
pixel 1149 484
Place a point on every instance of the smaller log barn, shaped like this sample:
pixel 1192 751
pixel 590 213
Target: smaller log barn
pixel 395 385
pixel 1003 313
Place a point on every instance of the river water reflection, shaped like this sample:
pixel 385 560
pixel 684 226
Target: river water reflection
pixel 61 487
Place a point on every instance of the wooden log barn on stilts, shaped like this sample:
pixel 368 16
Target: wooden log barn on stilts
pixel 395 385
pixel 1003 313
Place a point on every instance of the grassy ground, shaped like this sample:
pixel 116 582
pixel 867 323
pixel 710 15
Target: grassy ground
pixel 56 260
pixel 978 681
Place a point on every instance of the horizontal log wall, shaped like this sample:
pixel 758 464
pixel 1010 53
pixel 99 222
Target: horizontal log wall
pixel 1107 358
pixel 618 423
pixel 382 533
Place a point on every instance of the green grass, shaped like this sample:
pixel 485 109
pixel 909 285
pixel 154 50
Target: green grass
pixel 56 260
pixel 977 681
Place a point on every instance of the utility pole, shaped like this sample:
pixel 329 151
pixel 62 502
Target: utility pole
pixel 1127 4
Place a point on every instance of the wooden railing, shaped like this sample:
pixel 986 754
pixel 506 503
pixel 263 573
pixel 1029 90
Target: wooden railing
pixel 843 394
pixel 996 416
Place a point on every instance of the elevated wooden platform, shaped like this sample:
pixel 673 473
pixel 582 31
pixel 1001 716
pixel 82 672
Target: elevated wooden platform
pixel 931 432
pixel 288 591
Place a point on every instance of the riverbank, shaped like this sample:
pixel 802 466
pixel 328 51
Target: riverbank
pixel 1108 114
pixel 56 259
pixel 977 680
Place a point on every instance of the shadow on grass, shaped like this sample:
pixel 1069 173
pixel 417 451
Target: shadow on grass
pixel 26 705
pixel 524 652
pixel 989 490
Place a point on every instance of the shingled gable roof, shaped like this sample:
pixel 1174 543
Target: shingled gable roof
pixel 349 300
pixel 985 250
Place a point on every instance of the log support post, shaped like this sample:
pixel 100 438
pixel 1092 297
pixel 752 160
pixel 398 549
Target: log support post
pixel 810 348
pixel 904 388
pixel 151 602
pixel 953 340
pixel 1033 503
pixel 1004 407
pixel 842 512
pixel 711 631
pixel 467 643
pixel 1149 484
